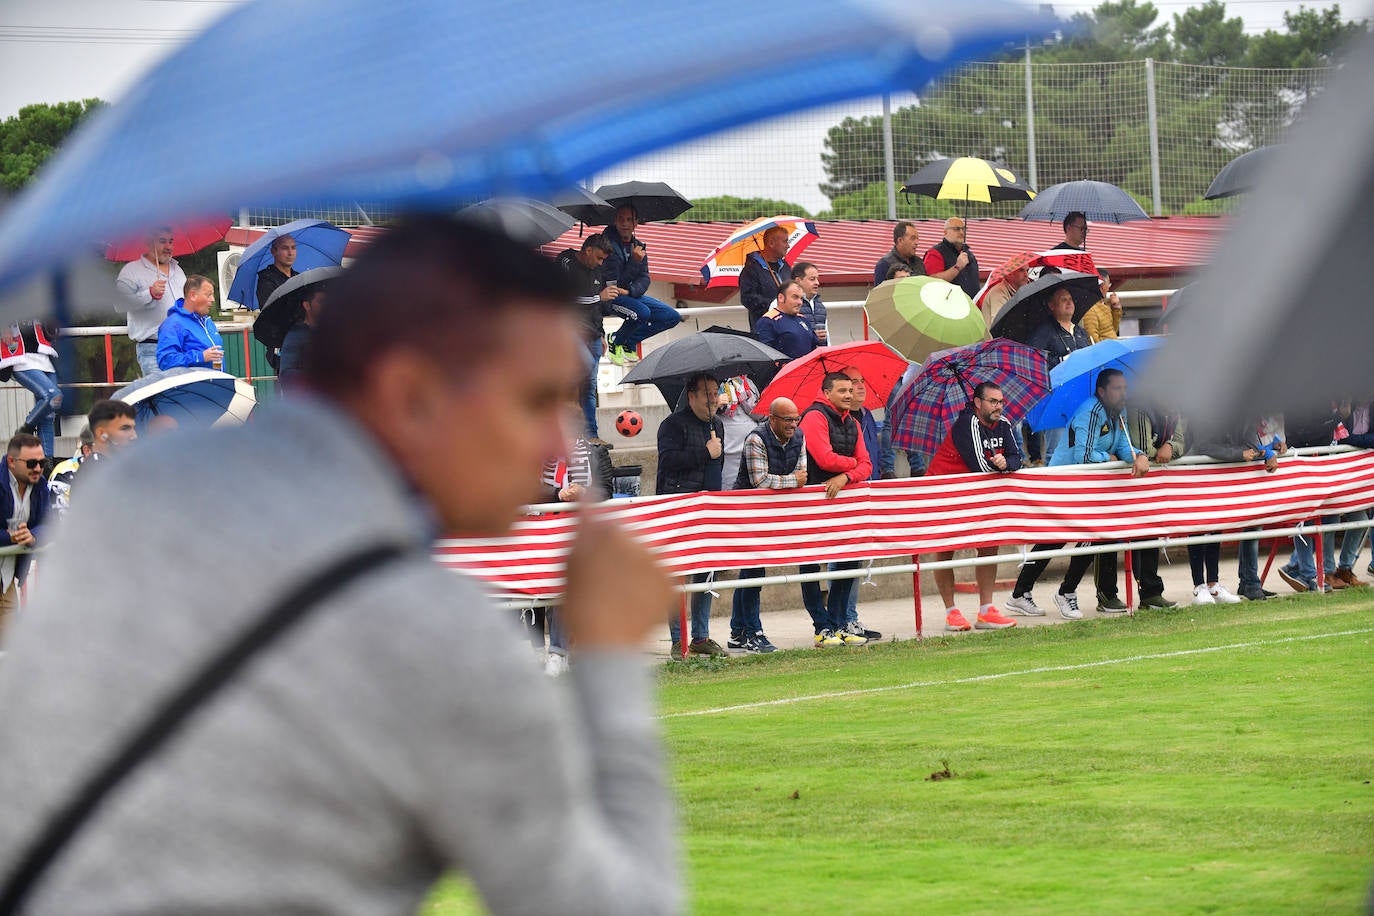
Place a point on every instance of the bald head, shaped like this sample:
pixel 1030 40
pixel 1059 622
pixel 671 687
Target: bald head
pixel 783 418
pixel 954 231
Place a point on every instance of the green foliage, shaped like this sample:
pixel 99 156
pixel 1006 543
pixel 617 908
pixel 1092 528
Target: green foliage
pixel 733 209
pixel 30 137
pixel 871 203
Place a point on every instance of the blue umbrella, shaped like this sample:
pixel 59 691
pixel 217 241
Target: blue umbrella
pixel 191 396
pixel 1074 380
pixel 318 244
pixel 1099 201
pixel 432 103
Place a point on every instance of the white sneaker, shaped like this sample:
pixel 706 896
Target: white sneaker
pixel 1221 596
pixel 556 665
pixel 1025 606
pixel 1203 595
pixel 1068 606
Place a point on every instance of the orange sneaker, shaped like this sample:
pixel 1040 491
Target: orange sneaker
pixel 993 619
pixel 955 622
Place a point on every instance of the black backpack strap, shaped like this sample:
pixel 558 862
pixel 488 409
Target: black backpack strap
pixel 176 710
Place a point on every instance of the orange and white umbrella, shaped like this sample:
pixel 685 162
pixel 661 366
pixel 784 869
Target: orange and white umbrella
pixel 724 264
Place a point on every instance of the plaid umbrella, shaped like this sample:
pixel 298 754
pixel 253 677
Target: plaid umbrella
pixel 924 408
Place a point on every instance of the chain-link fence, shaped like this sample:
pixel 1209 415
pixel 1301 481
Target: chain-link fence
pixel 1159 130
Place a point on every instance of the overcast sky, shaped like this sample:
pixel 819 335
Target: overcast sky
pixel 59 50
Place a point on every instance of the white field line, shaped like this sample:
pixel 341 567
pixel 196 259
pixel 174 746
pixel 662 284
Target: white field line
pixel 787 701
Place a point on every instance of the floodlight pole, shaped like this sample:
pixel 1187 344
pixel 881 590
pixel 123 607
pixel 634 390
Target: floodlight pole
pixel 1152 114
pixel 1030 121
pixel 889 163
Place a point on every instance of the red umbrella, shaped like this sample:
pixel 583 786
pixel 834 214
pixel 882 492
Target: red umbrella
pixel 800 380
pixel 188 238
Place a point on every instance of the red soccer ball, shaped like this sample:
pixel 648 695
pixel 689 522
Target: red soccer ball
pixel 629 423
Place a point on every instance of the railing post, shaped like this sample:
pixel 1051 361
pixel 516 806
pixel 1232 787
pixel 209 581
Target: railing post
pixel 1130 581
pixel 109 360
pixel 682 624
pixel 916 592
pixel 247 356
pixel 1321 561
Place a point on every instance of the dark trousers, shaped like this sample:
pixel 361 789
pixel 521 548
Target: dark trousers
pixel 827 615
pixel 1032 571
pixel 744 607
pixel 1205 560
pixel 1145 565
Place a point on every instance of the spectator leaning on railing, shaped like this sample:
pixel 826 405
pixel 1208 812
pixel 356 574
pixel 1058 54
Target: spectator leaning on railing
pixel 1160 435
pixel 24 504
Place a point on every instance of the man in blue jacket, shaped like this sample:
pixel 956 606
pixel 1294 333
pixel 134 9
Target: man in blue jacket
pixel 24 502
pixel 187 336
pixel 628 268
pixel 764 274
pixel 1097 434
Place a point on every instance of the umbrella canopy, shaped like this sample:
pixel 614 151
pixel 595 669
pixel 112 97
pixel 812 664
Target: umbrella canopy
pixel 532 222
pixel 192 397
pixel 1027 310
pixel 424 127
pixel 1240 174
pixel 1181 303
pixel 918 315
pixel 1099 201
pixel 188 237
pixel 653 200
pixel 584 206
pixel 319 243
pixel 1074 380
pixel 926 406
pixel 967 178
pixel 800 380
pixel 723 265
pixel 725 355
pixel 283 309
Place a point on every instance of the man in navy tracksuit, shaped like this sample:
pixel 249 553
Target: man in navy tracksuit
pixel 782 326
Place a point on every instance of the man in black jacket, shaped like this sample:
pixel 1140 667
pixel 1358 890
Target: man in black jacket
pixel 590 293
pixel 627 268
pixel 280 270
pixel 691 448
pixel 764 274
pixel 905 237
pixel 951 260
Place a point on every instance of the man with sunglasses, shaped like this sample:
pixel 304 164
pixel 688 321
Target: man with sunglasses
pixel 24 502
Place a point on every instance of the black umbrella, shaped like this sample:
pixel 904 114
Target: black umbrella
pixel 652 200
pixel 725 354
pixel 531 222
pixel 583 205
pixel 1183 301
pixel 1027 310
pixel 283 308
pixel 1099 201
pixel 1240 174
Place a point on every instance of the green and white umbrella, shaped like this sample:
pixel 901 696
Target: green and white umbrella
pixel 916 316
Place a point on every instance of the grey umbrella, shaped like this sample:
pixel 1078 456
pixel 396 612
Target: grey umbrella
pixel 1240 174
pixel 283 308
pixel 530 222
pixel 1099 201
pixel 1289 324
pixel 583 205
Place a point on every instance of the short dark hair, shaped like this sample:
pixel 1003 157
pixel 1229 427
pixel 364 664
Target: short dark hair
pixel 460 278
pixel 598 241
pixel 897 269
pixel 698 378
pixel 1104 378
pixel 631 207
pixel 982 388
pixel 1073 216
pixel 195 281
pixel 899 230
pixel 831 378
pixel 278 240
pixel 788 283
pixel 1104 272
pixel 21 441
pixel 800 268
pixel 86 437
pixel 104 411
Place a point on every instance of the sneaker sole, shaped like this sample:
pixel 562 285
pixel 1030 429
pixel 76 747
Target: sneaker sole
pixel 950 629
pixel 985 625
pixel 1021 612
pixel 1112 610
pixel 1295 584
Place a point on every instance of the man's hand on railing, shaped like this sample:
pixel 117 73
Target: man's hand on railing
pixel 22 536
pixel 1141 466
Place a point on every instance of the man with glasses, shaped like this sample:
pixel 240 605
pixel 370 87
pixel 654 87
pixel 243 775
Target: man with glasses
pixel 951 260
pixel 1075 232
pixel 980 441
pixel 24 503
pixel 774 458
pixel 146 289
pixel 691 450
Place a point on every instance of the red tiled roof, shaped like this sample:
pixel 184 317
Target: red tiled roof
pixel 846 250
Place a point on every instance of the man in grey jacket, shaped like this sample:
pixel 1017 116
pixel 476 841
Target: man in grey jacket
pixel 402 729
pixel 146 289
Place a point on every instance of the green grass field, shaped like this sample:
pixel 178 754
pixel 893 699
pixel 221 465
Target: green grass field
pixel 1189 761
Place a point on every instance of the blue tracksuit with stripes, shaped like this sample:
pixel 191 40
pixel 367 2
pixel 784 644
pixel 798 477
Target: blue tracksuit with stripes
pixel 1094 437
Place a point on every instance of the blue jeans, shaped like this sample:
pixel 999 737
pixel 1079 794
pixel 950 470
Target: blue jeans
pixel 47 400
pixel 1247 564
pixel 700 613
pixel 1350 547
pixel 744 608
pixel 147 356
pixel 829 615
pixel 644 317
pixel 589 401
pixel 1302 565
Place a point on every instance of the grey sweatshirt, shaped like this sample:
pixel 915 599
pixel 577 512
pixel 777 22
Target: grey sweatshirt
pixel 403 730
pixel 132 295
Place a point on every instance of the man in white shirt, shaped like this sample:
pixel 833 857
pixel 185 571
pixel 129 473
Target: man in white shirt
pixel 146 289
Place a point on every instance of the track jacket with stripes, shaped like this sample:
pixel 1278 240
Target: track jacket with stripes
pixel 1095 436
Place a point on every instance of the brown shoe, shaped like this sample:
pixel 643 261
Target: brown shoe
pixel 706 647
pixel 1346 577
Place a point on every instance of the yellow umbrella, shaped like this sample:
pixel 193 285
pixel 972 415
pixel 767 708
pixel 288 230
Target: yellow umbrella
pixel 967 178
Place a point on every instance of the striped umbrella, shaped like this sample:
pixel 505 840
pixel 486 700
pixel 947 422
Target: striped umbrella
pixel 723 265
pixel 193 397
pixel 923 409
pixel 916 316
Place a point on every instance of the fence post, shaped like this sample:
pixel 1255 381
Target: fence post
pixel 889 165
pixel 682 624
pixel 916 592
pixel 1030 121
pixel 1152 113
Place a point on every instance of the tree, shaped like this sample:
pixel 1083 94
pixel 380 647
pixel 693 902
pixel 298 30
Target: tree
pixel 1203 35
pixel 30 137
pixel 732 209
pixel 871 203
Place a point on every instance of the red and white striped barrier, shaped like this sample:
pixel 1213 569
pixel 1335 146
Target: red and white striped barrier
pixel 733 530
